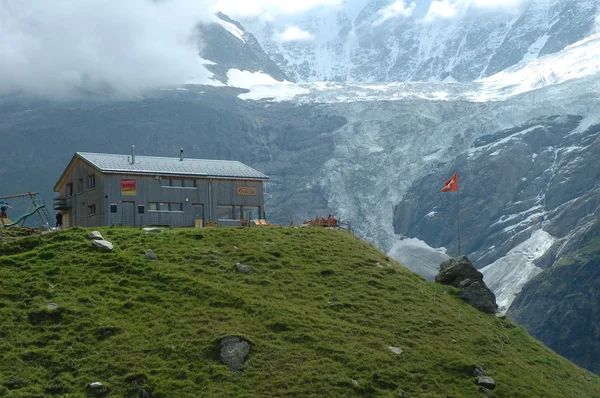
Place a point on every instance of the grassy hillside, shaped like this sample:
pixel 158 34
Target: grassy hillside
pixel 318 309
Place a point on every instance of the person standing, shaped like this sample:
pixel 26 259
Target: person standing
pixel 59 218
pixel 3 207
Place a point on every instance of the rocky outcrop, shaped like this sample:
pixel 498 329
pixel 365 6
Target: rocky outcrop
pixel 460 273
pixel 457 270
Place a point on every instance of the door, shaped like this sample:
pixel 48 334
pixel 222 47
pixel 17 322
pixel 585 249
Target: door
pixel 198 210
pixel 128 214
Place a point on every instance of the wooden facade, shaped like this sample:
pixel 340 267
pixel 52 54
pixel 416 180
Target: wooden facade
pixel 90 197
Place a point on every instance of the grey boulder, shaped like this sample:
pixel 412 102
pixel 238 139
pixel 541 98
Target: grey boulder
pixel 456 270
pixel 460 272
pixel 479 296
pixel 150 255
pixel 234 352
pixel 243 268
pixel 103 244
pixel 486 382
pixel 95 235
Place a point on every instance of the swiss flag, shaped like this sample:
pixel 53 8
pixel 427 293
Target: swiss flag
pixel 451 184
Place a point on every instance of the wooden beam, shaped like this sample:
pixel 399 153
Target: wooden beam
pixel 20 196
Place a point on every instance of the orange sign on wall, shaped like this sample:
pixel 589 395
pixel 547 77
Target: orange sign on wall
pixel 246 191
pixel 128 188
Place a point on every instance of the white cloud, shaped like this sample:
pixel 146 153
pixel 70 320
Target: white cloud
pixel 442 9
pixel 255 8
pixel 294 33
pixel 397 9
pixel 446 9
pixel 59 48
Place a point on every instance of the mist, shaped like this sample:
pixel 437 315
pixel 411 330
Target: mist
pixel 62 49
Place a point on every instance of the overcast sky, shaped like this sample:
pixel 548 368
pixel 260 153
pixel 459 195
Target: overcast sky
pixel 58 47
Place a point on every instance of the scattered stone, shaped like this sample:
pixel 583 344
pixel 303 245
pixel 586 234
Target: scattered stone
pixel 479 371
pixel 487 392
pixel 242 268
pixel 486 382
pixel 52 306
pixel 103 244
pixel 355 382
pixel 395 350
pixel 95 235
pixel 234 352
pixel 151 229
pixel 234 247
pixel 150 255
pixel 460 273
pixel 97 389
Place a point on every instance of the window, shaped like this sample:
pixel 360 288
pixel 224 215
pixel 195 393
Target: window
pixel 165 206
pixel 175 206
pixel 91 210
pixel 69 189
pixel 189 183
pixel 176 182
pixel 80 185
pixel 91 181
pixel 251 212
pixel 227 212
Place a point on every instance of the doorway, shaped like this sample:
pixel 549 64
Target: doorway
pixel 198 211
pixel 128 214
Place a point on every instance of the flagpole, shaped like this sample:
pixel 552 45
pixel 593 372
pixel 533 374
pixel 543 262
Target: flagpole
pixel 458 210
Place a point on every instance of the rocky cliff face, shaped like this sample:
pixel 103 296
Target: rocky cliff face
pixel 561 306
pixel 355 44
pixel 227 45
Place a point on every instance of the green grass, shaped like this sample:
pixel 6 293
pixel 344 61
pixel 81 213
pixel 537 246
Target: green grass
pixel 317 309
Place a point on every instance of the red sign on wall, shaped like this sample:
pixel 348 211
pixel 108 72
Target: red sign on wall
pixel 128 188
pixel 246 191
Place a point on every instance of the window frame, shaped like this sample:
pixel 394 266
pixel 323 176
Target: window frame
pixel 91 181
pixel 165 207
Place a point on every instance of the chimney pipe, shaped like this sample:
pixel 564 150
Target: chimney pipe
pixel 132 154
pixel 181 155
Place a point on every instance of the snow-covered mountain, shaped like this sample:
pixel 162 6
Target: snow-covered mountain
pixel 226 46
pixel 361 42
